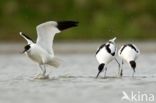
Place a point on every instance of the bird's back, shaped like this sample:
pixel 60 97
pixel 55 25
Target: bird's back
pixel 105 54
pixel 128 52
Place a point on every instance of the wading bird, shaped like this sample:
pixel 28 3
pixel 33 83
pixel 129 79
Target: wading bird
pixel 41 51
pixel 105 54
pixel 128 53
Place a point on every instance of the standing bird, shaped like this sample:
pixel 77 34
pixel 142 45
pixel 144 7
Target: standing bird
pixel 128 53
pixel 41 51
pixel 105 54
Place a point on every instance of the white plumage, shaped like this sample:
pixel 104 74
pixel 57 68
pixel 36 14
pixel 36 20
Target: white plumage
pixel 46 41
pixel 41 51
pixel 103 55
pixel 129 53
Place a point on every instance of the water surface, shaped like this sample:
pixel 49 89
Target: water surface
pixel 74 81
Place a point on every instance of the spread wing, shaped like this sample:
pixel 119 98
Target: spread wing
pixel 46 32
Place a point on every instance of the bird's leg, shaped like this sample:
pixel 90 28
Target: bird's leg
pixel 105 70
pixel 46 75
pixel 43 72
pixel 118 66
pixel 133 73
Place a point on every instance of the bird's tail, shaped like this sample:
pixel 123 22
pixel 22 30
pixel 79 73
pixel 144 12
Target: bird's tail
pixel 55 62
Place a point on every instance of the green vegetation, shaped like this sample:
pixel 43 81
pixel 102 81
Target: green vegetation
pixel 99 19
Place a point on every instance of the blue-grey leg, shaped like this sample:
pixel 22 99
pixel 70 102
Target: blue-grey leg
pixel 133 73
pixel 42 75
pixel 45 75
pixel 43 70
pixel 118 66
pixel 105 70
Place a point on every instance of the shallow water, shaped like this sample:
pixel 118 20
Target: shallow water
pixel 74 81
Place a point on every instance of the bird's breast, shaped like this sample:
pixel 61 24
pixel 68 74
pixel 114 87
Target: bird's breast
pixel 37 55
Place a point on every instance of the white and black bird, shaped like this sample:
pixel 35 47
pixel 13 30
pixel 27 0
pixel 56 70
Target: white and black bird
pixel 41 51
pixel 105 54
pixel 128 53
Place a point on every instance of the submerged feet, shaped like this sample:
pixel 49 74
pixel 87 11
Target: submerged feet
pixel 42 76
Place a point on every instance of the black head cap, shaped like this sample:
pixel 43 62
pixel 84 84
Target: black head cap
pixel 26 48
pixel 100 68
pixel 62 25
pixel 133 64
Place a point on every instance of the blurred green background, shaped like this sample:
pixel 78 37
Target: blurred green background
pixel 99 19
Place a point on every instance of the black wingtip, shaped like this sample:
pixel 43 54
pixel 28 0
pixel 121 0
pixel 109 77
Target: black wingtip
pixel 62 25
pixel 21 33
